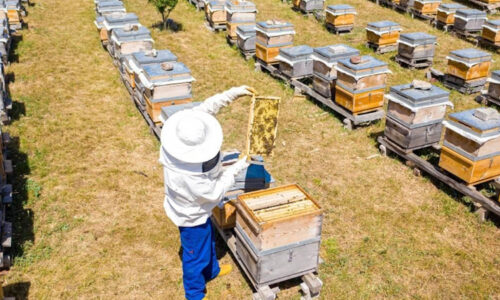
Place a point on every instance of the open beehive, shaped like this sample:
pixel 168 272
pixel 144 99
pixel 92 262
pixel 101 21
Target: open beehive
pixel 383 33
pixel 271 37
pixel 494 85
pixel 165 84
pixel 426 7
pixel 471 146
pixel 216 13
pixel 324 62
pixel 296 62
pixel 109 7
pixel 469 64
pixel 239 13
pixel 469 20
pixel 246 37
pixel 491 31
pixel 340 15
pixel 417 45
pixel 361 83
pixel 114 21
pixel 446 13
pixel 415 113
pixel 130 39
pixel 278 233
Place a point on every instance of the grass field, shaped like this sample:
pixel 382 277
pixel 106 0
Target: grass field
pixel 89 221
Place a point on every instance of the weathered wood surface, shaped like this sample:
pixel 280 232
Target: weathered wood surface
pixel 435 172
pixel 413 138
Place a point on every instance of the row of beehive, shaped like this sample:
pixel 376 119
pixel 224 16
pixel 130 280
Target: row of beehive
pixel 159 79
pixel 154 78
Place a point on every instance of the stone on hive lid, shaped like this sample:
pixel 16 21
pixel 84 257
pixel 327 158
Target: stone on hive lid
pixel 356 59
pixel 486 114
pixel 421 85
pixel 167 66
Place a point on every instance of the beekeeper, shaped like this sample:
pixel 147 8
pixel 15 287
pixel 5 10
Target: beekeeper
pixel 195 183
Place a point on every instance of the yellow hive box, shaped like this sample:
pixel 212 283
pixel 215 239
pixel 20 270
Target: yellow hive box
pixel 469 64
pixel 426 7
pixel 225 217
pixel 266 54
pixel 154 108
pixel 359 101
pixel 232 27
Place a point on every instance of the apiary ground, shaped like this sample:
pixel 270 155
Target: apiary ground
pixel 89 221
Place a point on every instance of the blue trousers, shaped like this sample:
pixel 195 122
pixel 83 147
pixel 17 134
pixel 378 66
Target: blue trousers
pixel 199 261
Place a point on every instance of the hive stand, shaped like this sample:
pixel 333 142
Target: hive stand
pixel 488 8
pixel 198 4
pixel 6 194
pixel 486 100
pixel 382 49
pixel 483 204
pixel 310 286
pixel 484 43
pixel 215 27
pixel 451 83
pixel 417 14
pixel 339 29
pixel 467 35
pixel 350 120
pixel 401 8
pixel 230 41
pixel 420 63
pixel 442 26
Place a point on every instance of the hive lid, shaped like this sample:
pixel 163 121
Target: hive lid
pixel 131 33
pixel 492 24
pixel 246 29
pixel 161 74
pixel 450 7
pixel 154 56
pixel 470 13
pixel 99 22
pixel 417 38
pixel 233 6
pixel 333 53
pixel 367 66
pixel 341 9
pixel 218 5
pixel 383 26
pixel 419 97
pixel 108 4
pixel 469 56
pixel 274 26
pixel 116 20
pixel 495 77
pixel 296 52
pixel 476 120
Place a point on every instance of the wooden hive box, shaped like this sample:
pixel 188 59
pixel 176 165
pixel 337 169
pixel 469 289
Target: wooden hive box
pixel 130 39
pixel 165 84
pixel 340 15
pixel 278 233
pixel 426 7
pixel 217 12
pixel 407 3
pixel 362 73
pixel 359 101
pixel 296 62
pixel 469 64
pixel 324 62
pixel 494 85
pixel 415 115
pixel 109 7
pixel 137 60
pixel 239 13
pixel 270 37
pixel 246 37
pixel 490 1
pixel 446 12
pixel 14 13
pixel 491 31
pixel 5 41
pixel 309 6
pixel 471 146
pixel 469 20
pixel 416 45
pixel 117 20
pixel 383 33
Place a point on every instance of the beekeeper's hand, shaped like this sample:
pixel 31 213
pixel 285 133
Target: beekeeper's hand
pixel 238 166
pixel 240 91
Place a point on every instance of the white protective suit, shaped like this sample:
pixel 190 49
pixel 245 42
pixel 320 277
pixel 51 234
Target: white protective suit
pixel 190 193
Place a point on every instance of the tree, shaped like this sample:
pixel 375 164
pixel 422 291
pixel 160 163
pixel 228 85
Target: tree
pixel 164 7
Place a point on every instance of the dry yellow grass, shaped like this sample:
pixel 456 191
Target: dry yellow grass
pixel 94 187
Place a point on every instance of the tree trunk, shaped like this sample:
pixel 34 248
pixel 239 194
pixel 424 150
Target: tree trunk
pixel 163 21
pixel 168 14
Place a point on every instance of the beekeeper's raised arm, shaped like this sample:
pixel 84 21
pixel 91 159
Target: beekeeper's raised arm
pixel 213 104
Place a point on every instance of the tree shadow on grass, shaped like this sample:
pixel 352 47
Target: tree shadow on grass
pixel 15 40
pixel 19 290
pixel 171 26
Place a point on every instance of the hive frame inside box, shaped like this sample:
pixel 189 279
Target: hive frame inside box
pixel 483 204
pixel 349 120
